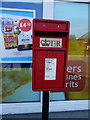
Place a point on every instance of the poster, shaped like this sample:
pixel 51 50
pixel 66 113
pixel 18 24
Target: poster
pixel 16 35
pixel 78 55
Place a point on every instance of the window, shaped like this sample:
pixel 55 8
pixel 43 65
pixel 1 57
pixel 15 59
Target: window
pixel 77 14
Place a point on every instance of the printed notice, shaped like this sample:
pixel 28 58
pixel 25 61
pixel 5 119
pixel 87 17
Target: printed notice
pixel 50 68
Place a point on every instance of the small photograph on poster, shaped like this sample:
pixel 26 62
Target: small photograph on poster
pixel 7 25
pixel 17 29
pixel 10 41
pixel 24 41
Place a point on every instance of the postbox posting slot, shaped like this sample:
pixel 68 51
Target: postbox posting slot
pixel 57 35
pixel 45 33
pixel 51 26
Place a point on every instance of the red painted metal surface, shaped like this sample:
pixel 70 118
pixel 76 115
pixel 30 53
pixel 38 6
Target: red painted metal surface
pixel 50 41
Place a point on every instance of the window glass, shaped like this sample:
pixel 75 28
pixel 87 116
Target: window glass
pixel 17 83
pixel 16 78
pixel 79 47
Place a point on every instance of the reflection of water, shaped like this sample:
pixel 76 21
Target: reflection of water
pixel 23 94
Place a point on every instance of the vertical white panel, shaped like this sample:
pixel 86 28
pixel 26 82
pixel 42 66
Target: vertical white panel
pixel 48 6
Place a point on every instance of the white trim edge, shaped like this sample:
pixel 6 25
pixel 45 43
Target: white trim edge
pixel 21 10
pixel 57 106
pixel 69 105
pixel 18 108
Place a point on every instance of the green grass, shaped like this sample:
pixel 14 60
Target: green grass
pixel 76 47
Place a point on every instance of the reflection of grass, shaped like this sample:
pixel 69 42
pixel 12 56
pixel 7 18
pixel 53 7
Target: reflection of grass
pixel 13 78
pixel 76 47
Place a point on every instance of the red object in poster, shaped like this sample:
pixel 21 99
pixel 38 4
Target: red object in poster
pixel 8 29
pixel 25 25
pixel 50 47
pixel 7 25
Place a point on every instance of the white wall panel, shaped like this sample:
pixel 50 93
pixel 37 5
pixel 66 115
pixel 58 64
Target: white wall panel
pixel 48 7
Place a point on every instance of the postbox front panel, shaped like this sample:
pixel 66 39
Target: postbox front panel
pixel 50 45
pixel 49 69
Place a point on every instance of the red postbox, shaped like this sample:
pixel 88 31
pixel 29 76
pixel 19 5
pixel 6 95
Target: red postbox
pixel 50 47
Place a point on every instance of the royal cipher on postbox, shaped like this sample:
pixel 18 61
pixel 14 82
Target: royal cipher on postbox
pixel 50 50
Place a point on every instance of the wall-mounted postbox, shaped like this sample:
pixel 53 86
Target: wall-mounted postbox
pixel 50 47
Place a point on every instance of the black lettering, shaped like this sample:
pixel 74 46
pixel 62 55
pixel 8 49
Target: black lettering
pixel 51 43
pixel 58 43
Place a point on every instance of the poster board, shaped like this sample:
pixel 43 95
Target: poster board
pixel 16 35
